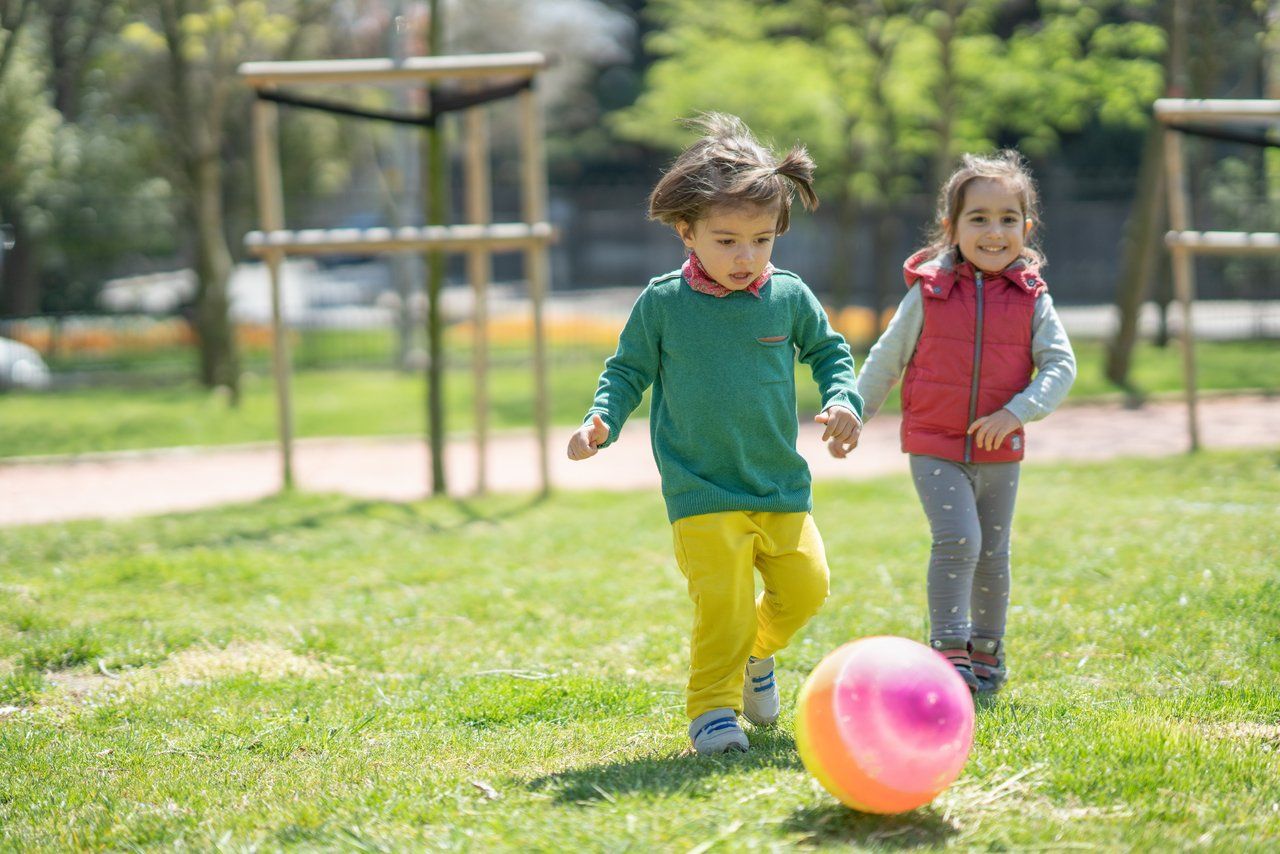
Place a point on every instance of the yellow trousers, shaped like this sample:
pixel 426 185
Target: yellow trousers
pixel 718 554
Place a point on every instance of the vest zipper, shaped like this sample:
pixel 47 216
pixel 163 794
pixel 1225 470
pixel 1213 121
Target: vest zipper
pixel 977 368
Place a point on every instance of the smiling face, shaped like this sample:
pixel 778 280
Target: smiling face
pixel 991 228
pixel 733 244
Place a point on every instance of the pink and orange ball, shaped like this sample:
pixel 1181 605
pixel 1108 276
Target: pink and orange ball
pixel 885 724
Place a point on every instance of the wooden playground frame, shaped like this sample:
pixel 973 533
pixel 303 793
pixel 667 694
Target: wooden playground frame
pixel 1183 242
pixel 478 239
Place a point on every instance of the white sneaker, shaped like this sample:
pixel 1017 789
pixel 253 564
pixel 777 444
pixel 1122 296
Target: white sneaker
pixel 717 731
pixel 760 701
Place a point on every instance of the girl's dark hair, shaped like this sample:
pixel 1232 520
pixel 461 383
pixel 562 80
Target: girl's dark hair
pixel 729 167
pixel 1008 168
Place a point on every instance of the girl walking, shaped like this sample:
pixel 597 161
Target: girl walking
pixel 717 340
pixel 984 353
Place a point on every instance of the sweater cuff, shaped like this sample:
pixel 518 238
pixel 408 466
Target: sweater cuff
pixel 1021 411
pixel 852 402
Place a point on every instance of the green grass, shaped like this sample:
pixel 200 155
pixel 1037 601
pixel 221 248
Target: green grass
pixel 381 402
pixel 322 672
pixel 329 403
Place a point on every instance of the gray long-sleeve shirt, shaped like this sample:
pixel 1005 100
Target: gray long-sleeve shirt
pixel 1050 350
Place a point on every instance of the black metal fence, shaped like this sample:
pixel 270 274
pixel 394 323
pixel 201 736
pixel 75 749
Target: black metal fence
pixel 354 312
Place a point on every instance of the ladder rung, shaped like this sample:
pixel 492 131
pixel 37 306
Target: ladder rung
pixel 1257 111
pixel 412 70
pixel 497 237
pixel 1225 242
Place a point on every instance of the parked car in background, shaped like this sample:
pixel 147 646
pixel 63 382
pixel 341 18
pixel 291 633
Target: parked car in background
pixel 21 367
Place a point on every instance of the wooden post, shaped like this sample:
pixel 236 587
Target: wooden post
pixel 435 197
pixel 533 171
pixel 479 272
pixel 1183 270
pixel 271 215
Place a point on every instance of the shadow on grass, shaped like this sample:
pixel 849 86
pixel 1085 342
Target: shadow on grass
pixel 670 773
pixel 986 702
pixel 837 824
pixel 674 773
pixel 411 515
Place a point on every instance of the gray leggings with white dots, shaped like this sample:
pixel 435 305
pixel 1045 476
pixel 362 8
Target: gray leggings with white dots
pixel 970 508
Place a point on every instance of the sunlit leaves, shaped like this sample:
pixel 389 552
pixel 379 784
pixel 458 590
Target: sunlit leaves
pixel 784 89
pixel 141 36
pixel 879 88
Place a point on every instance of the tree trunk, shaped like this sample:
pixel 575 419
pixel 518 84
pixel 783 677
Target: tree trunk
pixel 945 125
pixel 72 34
pixel 1142 247
pixel 884 264
pixel 1162 295
pixel 844 250
pixel 20 294
pixel 219 360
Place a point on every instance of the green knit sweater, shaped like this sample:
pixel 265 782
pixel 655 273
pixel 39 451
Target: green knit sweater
pixel 723 415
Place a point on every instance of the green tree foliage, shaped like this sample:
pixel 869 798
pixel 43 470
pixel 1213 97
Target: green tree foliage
pixel 29 133
pixel 186 53
pixel 886 93
pixel 74 184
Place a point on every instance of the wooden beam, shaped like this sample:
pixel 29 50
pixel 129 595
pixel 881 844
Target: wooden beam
pixel 1217 110
pixel 1225 242
pixel 499 237
pixel 1184 284
pixel 413 70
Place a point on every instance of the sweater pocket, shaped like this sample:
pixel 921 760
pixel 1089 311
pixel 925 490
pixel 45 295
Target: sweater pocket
pixel 775 359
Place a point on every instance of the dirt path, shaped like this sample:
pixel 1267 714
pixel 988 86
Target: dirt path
pixel 125 485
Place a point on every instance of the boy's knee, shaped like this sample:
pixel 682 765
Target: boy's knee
pixel 811 596
pixel 800 597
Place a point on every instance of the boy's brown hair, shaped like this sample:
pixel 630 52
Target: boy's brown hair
pixel 728 167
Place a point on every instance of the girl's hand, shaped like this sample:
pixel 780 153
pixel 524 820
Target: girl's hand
pixel 843 427
pixel 585 440
pixel 990 431
pixel 839 449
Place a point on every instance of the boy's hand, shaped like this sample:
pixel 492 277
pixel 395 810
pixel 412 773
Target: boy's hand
pixel 990 431
pixel 584 441
pixel 843 429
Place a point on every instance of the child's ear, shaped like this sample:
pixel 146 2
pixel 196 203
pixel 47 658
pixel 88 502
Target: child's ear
pixel 1027 226
pixel 946 227
pixel 685 231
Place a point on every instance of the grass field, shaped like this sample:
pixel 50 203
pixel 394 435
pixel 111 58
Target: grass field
pixel 321 672
pixel 379 403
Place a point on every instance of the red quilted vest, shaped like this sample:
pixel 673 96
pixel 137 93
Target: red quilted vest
pixel 973 356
